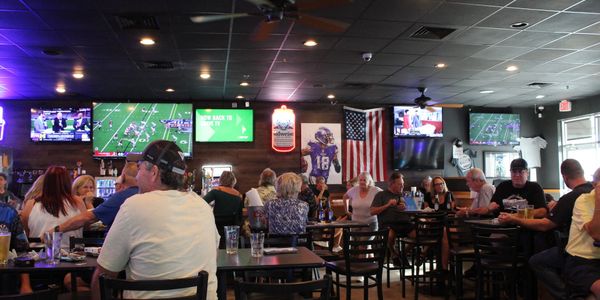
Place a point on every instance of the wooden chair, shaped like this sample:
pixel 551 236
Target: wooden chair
pixel 364 253
pixel 109 287
pixel 47 294
pixel 283 290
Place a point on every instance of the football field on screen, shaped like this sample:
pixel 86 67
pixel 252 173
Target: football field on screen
pixel 130 127
pixel 495 128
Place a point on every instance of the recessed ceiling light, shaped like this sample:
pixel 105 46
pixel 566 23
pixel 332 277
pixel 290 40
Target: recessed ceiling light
pixel 486 92
pixel 78 75
pixel 331 96
pixel 440 65
pixel 519 25
pixel 539 97
pixel 205 76
pixel 244 83
pixel 169 90
pixel 239 97
pixel 511 68
pixel 61 89
pixel 310 43
pixel 147 42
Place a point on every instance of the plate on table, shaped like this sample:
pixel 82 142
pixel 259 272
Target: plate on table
pixel 73 257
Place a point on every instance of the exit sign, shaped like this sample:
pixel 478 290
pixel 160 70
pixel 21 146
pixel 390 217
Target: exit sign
pixel 564 106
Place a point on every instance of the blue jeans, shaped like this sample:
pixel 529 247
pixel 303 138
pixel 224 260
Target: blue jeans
pixel 548 266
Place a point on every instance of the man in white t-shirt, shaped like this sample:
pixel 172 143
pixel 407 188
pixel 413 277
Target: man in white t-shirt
pixel 162 233
pixel 478 184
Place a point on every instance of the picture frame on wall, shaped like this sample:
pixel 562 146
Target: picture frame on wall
pixel 496 164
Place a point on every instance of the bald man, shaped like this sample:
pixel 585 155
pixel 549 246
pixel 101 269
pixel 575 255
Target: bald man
pixel 107 211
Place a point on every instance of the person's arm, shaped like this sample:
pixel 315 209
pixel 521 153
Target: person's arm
pixel 593 227
pixel 96 280
pixel 85 218
pixel 346 199
pixel 375 210
pixel 543 224
pixel 25 215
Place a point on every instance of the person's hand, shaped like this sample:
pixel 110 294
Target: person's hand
pixel 462 211
pixel 392 202
pixel 493 206
pixel 552 204
pixel 401 205
pixel 12 203
pixel 323 187
pixel 506 218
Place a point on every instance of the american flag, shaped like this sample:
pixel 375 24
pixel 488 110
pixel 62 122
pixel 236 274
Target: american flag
pixel 365 147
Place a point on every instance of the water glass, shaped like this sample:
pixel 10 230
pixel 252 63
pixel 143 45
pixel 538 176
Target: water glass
pixel 257 242
pixel 52 242
pixel 4 245
pixel 232 234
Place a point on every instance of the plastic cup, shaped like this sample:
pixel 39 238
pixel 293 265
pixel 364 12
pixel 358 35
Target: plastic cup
pixel 231 239
pixel 257 242
pixel 530 210
pixel 4 247
pixel 52 241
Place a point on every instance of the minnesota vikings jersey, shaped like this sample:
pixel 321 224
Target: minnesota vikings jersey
pixel 321 159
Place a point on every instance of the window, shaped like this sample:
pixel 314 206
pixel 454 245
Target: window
pixel 580 139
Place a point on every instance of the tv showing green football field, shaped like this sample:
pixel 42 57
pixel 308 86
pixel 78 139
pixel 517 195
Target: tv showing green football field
pixel 122 128
pixel 494 129
pixel 224 125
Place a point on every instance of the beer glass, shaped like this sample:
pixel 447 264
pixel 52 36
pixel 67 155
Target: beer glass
pixel 231 239
pixel 52 241
pixel 257 242
pixel 4 246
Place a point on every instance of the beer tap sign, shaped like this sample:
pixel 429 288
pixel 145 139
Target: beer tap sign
pixel 283 130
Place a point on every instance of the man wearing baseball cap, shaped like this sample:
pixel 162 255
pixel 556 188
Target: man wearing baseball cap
pixel 164 232
pixel 519 187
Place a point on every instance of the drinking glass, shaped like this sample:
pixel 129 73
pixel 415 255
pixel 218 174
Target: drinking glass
pixel 231 239
pixel 52 241
pixel 530 210
pixel 257 242
pixel 4 245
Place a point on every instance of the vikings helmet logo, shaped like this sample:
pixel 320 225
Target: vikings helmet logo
pixel 324 136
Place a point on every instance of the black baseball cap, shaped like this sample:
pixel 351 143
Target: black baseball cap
pixel 164 154
pixel 518 164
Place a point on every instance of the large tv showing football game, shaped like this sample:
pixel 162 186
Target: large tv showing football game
pixel 494 129
pixel 411 121
pixel 418 153
pixel 224 125
pixel 122 128
pixel 60 124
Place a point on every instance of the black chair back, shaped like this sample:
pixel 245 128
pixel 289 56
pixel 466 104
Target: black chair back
pixel 458 232
pixel 326 234
pixel 496 247
pixel 289 240
pixel 88 242
pixel 48 294
pixel 429 227
pixel 365 247
pixel 108 286
pixel 561 239
pixel 281 290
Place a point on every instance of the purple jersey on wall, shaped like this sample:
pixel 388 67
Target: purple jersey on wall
pixel 321 159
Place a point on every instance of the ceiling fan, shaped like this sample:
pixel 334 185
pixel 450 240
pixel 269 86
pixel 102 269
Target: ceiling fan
pixel 273 11
pixel 422 100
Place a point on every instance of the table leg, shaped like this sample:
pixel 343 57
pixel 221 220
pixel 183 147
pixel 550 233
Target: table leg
pixel 74 285
pixel 222 285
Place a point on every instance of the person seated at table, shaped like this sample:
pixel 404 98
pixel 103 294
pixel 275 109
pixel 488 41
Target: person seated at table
pixel 388 206
pixel 548 264
pixel 164 232
pixel 582 267
pixel 425 187
pixel 287 214
pixel 321 190
pixel 518 187
pixel 440 191
pixel 9 217
pixel 34 191
pixel 266 186
pixel 306 195
pixel 7 196
pixel 225 200
pixel 484 191
pixel 84 187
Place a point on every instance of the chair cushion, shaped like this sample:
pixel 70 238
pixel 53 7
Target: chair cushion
pixel 339 266
pixel 462 251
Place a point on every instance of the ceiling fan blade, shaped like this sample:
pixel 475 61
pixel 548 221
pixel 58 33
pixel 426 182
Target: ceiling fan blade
pixel 212 18
pixel 263 31
pixel 323 23
pixel 449 105
pixel 316 4
pixel 260 3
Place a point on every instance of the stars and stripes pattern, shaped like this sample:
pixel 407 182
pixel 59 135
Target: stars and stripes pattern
pixel 365 148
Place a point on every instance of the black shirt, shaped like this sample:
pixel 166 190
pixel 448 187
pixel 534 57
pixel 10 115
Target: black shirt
pixel 532 191
pixel 449 198
pixel 391 214
pixel 562 213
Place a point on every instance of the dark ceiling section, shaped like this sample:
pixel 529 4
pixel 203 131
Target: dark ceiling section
pixel 558 46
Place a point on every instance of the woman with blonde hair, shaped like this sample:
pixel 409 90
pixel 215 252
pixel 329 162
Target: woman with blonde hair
pixel 35 190
pixel 84 187
pixel 225 199
pixel 440 191
pixel 287 214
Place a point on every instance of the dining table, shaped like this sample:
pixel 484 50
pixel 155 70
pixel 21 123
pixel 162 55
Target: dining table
pixel 336 224
pixel 242 261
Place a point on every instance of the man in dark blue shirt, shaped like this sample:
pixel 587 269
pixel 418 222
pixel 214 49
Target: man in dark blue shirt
pixel 9 218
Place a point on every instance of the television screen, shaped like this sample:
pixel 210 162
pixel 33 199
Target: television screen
pixel 494 129
pixel 410 121
pixel 61 125
pixel 418 153
pixel 122 128
pixel 224 125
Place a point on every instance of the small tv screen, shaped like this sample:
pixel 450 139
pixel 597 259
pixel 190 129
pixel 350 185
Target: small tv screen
pixel 60 125
pixel 418 153
pixel 494 129
pixel 224 125
pixel 410 121
pixel 122 128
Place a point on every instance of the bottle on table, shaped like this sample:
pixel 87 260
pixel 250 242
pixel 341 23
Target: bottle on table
pixel 436 203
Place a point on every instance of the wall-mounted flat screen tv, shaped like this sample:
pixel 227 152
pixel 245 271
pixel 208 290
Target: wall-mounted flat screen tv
pixel 411 121
pixel 418 153
pixel 122 128
pixel 494 129
pixel 61 125
pixel 224 125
